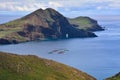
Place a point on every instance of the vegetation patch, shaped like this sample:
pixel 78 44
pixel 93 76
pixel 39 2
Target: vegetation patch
pixel 30 67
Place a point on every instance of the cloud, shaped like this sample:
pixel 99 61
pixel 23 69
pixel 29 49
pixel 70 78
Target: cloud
pixel 20 6
pixel 55 4
pixel 62 5
pixel 115 4
pixel 27 5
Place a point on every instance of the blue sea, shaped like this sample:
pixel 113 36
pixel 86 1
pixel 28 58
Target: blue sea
pixel 99 57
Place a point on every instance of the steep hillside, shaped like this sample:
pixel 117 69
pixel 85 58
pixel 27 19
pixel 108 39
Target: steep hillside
pixel 85 23
pixel 116 77
pixel 30 67
pixel 40 24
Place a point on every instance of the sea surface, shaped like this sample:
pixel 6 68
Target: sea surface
pixel 99 57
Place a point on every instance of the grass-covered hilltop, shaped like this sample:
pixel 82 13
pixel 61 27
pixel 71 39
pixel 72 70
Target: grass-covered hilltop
pixel 116 77
pixel 45 24
pixel 30 67
pixel 85 23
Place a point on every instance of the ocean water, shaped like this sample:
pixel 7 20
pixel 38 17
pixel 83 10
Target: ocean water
pixel 99 57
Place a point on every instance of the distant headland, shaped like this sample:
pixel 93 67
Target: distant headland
pixel 47 24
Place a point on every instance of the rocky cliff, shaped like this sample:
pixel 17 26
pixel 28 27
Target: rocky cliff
pixel 40 24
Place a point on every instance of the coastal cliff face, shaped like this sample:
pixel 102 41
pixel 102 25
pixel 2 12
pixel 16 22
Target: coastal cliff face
pixel 42 25
pixel 85 23
pixel 30 67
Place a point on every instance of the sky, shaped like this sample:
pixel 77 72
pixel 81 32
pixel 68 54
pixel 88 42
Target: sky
pixel 66 7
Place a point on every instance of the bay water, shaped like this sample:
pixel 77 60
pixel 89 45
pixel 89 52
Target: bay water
pixel 99 56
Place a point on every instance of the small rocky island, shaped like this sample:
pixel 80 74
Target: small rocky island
pixel 30 67
pixel 45 25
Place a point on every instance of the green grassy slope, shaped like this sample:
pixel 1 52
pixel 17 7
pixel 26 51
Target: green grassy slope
pixel 9 30
pixel 85 23
pixel 29 67
pixel 116 77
